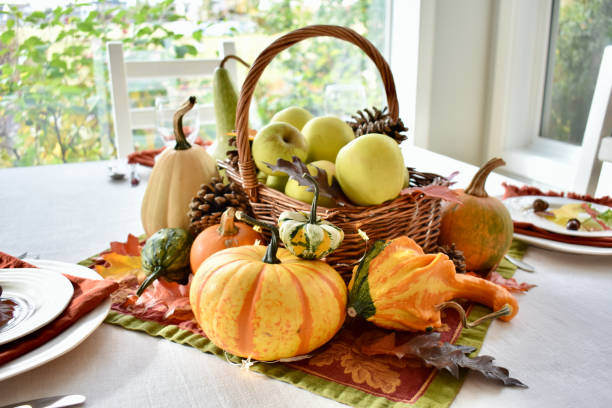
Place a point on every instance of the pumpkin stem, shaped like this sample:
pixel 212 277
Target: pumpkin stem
pixel 315 199
pixel 228 57
pixel 157 272
pixel 476 187
pixel 270 256
pixel 504 311
pixel 181 139
pixel 226 225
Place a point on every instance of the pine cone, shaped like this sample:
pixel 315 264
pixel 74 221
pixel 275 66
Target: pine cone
pixel 377 121
pixel 209 203
pixel 454 255
pixel 232 155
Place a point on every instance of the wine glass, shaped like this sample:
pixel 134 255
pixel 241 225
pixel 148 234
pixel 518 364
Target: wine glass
pixel 165 107
pixel 344 100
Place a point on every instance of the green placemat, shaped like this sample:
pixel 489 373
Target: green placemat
pixel 336 370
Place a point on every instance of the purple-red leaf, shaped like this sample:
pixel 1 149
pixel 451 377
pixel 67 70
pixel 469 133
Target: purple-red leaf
pixel 434 191
pixel 511 284
pixel 296 170
pixel 447 356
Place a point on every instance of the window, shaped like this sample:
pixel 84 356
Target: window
pixel 545 60
pixel 54 96
pixel 579 32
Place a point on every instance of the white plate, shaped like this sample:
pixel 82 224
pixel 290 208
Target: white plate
pixel 69 338
pixel 521 210
pixel 564 247
pixel 41 294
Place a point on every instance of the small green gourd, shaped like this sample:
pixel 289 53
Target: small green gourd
pixel 166 254
pixel 307 236
pixel 225 99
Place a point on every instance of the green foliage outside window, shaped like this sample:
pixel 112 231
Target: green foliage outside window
pixel 54 91
pixel 584 30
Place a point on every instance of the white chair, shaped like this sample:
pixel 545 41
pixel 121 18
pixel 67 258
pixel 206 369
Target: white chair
pixel 597 143
pixel 120 71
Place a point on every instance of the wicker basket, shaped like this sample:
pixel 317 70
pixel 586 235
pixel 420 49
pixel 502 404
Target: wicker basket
pixel 414 215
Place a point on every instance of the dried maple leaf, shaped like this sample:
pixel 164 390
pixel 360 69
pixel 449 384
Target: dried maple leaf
pixel 511 284
pixel 118 266
pixel 131 247
pixel 381 345
pixel 434 191
pixel 168 298
pixel 447 356
pixel 296 170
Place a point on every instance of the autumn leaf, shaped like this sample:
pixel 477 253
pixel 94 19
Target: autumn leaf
pixel 434 191
pixel 251 133
pixel 168 298
pixel 118 266
pixel 442 356
pixel 382 345
pixel 511 284
pixel 131 247
pixel 296 170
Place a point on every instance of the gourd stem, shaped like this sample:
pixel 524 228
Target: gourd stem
pixel 231 56
pixel 270 256
pixel 226 225
pixel 313 209
pixel 181 139
pixel 504 311
pixel 157 272
pixel 477 185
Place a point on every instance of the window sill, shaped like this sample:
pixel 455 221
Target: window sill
pixel 545 164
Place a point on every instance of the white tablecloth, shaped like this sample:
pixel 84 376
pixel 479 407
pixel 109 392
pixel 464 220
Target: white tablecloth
pixel 560 344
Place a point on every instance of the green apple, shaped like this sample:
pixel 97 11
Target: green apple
pixel 326 135
pixel 370 169
pixel 275 141
pixel 294 190
pixel 406 178
pixel 294 115
pixel 261 177
pixel 277 182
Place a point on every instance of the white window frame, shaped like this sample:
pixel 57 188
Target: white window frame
pixel 409 52
pixel 517 83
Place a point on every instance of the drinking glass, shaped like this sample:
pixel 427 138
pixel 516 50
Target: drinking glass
pixel 165 107
pixel 344 100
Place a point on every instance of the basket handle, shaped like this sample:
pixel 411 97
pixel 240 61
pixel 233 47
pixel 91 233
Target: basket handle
pixel 246 163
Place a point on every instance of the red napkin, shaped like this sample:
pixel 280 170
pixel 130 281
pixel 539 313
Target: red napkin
pixel 88 294
pixel 147 157
pixel 530 229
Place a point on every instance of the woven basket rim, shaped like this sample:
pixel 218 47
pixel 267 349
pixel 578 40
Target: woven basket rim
pixel 246 162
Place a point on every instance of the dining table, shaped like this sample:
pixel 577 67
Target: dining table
pixel 559 344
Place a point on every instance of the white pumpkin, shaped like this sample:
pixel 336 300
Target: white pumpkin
pixel 307 236
pixel 175 180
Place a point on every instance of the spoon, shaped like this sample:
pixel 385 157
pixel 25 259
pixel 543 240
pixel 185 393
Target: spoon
pixel 520 264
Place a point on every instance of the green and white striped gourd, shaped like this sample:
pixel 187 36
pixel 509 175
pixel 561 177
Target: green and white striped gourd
pixel 308 236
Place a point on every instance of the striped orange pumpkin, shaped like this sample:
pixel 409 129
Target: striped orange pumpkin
pixel 267 310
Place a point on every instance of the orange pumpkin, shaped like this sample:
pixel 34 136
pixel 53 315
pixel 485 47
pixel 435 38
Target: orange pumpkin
pixel 481 227
pixel 265 303
pixel 226 234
